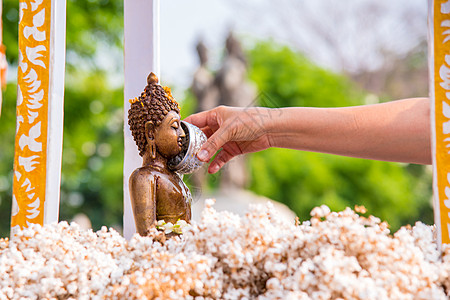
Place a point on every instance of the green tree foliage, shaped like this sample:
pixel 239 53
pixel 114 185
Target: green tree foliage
pixel 394 192
pixel 7 125
pixel 92 161
pixel 90 25
pixel 93 151
pixel 93 121
pixel 93 147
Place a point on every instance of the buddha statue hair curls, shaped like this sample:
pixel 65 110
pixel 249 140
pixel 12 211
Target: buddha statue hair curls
pixel 154 103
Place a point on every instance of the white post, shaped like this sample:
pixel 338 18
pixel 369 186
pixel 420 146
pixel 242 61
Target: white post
pixel 141 51
pixel 40 96
pixel 55 111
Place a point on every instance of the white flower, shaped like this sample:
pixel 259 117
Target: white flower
pixel 168 227
pixel 348 255
pixel 179 225
pixel 182 223
pixel 160 224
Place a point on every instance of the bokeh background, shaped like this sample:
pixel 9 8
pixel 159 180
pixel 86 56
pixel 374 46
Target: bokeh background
pixel 319 53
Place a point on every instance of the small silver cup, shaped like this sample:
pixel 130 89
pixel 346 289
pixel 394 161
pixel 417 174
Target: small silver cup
pixel 187 162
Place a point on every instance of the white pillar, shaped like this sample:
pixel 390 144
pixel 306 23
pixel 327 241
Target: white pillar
pixel 141 51
pixel 55 111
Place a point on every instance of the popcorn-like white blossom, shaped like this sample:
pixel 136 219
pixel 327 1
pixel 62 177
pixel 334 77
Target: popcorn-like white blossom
pixel 335 255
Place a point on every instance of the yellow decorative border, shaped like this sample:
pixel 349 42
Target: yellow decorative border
pixel 440 112
pixel 32 113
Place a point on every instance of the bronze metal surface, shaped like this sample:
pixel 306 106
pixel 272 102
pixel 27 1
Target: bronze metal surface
pixel 156 192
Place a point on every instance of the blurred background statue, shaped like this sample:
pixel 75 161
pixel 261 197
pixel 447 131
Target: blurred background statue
pixel 203 87
pixel 228 87
pixel 207 95
pixel 231 79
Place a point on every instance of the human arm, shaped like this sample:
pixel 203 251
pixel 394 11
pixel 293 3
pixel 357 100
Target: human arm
pixel 392 131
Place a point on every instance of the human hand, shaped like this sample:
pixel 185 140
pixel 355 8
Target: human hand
pixel 236 130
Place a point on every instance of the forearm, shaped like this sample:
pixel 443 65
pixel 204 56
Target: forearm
pixel 393 131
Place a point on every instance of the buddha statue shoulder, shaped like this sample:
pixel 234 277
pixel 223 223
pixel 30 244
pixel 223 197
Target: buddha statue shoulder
pixel 167 146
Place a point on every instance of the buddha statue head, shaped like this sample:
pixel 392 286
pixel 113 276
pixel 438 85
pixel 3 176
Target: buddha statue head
pixel 154 119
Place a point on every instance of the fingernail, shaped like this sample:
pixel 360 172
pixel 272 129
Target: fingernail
pixel 214 168
pixel 202 155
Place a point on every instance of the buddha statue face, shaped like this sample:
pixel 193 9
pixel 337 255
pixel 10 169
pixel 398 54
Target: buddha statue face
pixel 167 137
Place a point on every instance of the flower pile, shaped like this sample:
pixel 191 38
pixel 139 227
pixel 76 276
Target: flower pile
pixel 224 256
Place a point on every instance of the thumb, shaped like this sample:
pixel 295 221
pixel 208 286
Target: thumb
pixel 213 144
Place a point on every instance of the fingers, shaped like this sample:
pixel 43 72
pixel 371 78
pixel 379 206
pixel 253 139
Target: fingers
pixel 207 131
pixel 204 119
pixel 197 119
pixel 219 161
pixel 210 123
pixel 213 144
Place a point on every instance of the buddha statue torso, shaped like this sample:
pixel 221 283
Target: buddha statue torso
pixel 170 186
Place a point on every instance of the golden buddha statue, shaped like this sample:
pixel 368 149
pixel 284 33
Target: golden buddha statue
pixel 157 193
